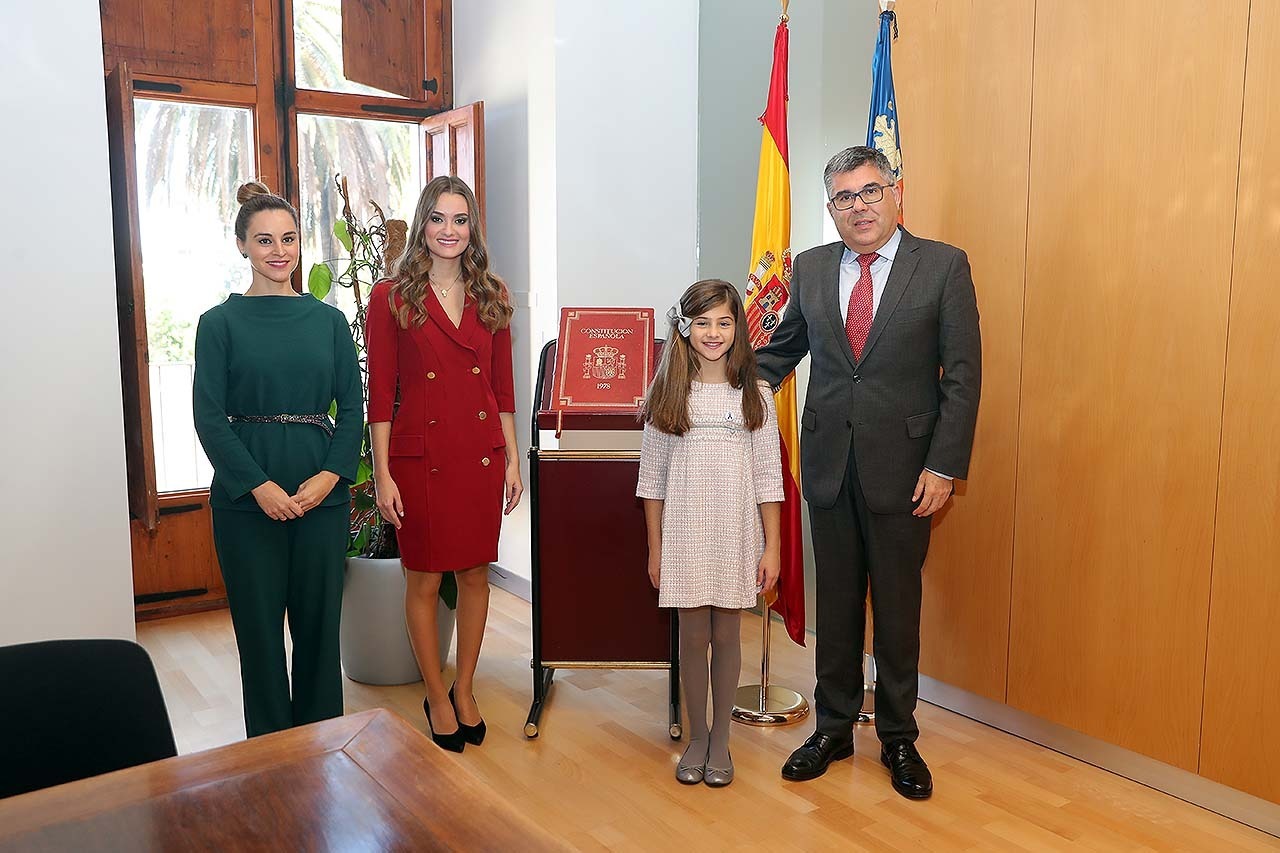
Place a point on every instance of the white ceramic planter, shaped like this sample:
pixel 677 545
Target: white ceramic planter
pixel 373 639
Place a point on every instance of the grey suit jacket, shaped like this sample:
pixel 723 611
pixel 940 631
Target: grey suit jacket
pixel 911 401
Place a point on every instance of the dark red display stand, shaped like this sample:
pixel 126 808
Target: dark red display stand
pixel 593 605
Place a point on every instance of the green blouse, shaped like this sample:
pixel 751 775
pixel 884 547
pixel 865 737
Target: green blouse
pixel 276 355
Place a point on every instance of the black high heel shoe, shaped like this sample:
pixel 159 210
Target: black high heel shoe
pixel 454 741
pixel 474 734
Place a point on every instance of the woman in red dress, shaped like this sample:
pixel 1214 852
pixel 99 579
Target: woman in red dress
pixel 445 461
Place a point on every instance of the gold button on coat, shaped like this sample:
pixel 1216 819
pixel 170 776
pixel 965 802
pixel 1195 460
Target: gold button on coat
pixel 475 370
pixel 485 462
pixel 483 416
pixel 431 374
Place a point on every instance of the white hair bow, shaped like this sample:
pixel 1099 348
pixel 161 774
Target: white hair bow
pixel 685 324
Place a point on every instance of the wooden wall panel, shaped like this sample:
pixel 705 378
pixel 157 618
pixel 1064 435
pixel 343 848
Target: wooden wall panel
pixel 179 554
pixel 1240 743
pixel 963 78
pixel 212 40
pixel 1134 143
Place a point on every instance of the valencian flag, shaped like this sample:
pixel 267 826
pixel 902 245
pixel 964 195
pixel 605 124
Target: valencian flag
pixel 768 288
pixel 882 126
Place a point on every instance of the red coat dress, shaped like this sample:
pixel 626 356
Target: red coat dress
pixel 447 448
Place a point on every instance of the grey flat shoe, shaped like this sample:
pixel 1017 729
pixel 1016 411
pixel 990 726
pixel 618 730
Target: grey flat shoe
pixel 717 778
pixel 687 775
pixel 690 774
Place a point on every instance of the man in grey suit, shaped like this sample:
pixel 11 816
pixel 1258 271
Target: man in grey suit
pixel 891 323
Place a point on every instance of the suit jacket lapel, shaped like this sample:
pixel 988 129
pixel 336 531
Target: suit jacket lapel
pixel 830 277
pixel 904 264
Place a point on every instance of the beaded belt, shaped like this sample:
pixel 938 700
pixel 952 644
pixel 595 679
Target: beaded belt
pixel 321 421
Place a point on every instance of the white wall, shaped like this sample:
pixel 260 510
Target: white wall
pixel 829 87
pixel 591 166
pixel 65 562
pixel 626 149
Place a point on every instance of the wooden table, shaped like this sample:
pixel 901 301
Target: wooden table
pixel 369 781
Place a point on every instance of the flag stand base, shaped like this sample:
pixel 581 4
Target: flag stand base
pixel 778 707
pixel 765 704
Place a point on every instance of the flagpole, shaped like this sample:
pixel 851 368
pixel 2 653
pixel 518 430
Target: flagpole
pixel 766 704
pixel 867 712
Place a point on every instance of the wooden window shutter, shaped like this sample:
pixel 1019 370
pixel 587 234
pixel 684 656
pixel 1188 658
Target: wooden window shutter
pixel 134 363
pixel 383 45
pixel 455 146
pixel 211 40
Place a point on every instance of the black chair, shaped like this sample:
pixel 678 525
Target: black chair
pixel 76 708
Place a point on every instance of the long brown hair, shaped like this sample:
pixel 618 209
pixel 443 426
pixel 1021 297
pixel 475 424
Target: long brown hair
pixel 666 406
pixel 411 271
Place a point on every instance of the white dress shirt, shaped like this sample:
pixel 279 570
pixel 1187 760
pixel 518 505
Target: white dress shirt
pixel 850 270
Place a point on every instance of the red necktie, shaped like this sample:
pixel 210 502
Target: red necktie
pixel 857 319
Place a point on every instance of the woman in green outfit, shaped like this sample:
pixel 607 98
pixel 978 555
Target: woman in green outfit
pixel 269 364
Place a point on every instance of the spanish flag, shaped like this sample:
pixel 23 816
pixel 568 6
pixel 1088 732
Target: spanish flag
pixel 768 288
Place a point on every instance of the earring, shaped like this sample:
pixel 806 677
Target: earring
pixel 244 254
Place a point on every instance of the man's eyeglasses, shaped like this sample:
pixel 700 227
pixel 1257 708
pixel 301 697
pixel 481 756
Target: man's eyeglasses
pixel 844 199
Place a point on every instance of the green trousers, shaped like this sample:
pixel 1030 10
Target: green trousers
pixel 273 568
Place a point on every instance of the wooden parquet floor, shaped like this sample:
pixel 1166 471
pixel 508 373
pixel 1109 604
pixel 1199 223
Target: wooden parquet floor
pixel 601 773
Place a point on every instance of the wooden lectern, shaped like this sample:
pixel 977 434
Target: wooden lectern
pixel 593 605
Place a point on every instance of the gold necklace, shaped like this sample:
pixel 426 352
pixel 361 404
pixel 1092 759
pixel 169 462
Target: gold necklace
pixel 444 291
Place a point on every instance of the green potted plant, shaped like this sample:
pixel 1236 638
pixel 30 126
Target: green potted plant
pixel 374 641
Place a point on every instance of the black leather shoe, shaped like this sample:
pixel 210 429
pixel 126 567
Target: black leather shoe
pixel 911 777
pixel 454 741
pixel 816 754
pixel 474 735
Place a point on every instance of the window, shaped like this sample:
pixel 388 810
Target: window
pixel 214 105
pixel 318 49
pixel 200 98
pixel 382 161
pixel 191 158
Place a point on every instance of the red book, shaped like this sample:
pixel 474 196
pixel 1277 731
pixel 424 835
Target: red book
pixel 604 360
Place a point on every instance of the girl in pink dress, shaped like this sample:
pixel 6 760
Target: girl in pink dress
pixel 711 480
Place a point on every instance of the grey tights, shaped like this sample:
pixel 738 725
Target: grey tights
pixel 717 628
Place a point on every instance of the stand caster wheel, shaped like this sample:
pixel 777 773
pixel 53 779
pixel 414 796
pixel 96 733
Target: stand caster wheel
pixel 676 731
pixel 530 730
